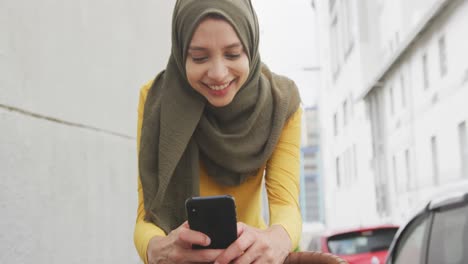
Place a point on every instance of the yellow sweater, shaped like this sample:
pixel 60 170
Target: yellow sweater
pixel 281 179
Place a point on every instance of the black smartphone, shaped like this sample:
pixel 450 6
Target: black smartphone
pixel 215 216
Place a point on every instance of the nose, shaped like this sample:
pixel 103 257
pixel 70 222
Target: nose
pixel 218 70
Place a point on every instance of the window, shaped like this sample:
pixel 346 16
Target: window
pixel 335 64
pixel 335 124
pixel 310 167
pixel 341 33
pixel 463 149
pixel 331 4
pixel 345 171
pixel 311 210
pixel 435 161
pixel 311 156
pixel 392 101
pixel 348 36
pixel 382 202
pixel 395 174
pixel 355 162
pixel 410 245
pixel 338 172
pixel 403 90
pixel 343 13
pixel 348 171
pixel 442 56
pixel 425 72
pixel 449 236
pixel 345 113
pixel 408 169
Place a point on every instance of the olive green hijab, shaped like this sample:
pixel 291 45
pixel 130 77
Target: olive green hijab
pixel 180 128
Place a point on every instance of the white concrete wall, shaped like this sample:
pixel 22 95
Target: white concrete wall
pixel 70 73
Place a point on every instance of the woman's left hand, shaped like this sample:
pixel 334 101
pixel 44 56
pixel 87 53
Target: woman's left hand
pixel 254 245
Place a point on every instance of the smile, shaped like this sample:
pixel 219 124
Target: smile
pixel 219 87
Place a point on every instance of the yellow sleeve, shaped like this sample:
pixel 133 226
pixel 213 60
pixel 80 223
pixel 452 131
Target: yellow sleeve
pixel 144 231
pixel 282 180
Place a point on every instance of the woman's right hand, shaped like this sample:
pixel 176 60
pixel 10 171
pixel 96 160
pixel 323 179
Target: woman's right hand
pixel 176 247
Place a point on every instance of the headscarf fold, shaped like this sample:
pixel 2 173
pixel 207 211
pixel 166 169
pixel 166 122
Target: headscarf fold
pixel 180 128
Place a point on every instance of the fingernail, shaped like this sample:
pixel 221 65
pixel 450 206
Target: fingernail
pixel 208 241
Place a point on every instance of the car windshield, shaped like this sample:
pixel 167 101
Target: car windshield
pixel 361 242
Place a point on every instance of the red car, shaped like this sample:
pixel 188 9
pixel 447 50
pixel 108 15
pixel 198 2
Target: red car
pixel 365 245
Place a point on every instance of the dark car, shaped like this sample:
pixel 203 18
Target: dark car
pixel 438 234
pixel 363 245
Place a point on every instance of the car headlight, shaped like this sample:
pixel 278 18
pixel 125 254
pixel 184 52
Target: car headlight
pixel 375 260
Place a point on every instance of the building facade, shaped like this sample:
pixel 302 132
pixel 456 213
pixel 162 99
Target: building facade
pixel 345 131
pixel 394 122
pixel 311 180
pixel 419 113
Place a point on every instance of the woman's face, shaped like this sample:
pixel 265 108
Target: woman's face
pixel 217 65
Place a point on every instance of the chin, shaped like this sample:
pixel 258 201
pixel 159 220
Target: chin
pixel 219 103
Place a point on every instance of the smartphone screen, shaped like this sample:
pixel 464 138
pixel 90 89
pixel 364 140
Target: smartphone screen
pixel 215 216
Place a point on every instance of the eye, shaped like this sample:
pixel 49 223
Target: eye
pixel 199 59
pixel 232 56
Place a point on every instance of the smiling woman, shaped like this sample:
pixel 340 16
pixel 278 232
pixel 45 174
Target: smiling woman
pixel 217 65
pixel 217 121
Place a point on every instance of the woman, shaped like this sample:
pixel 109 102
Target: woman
pixel 217 121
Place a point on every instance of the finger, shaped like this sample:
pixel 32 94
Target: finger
pixel 237 248
pixel 248 257
pixel 265 259
pixel 202 255
pixel 240 228
pixel 253 254
pixel 194 237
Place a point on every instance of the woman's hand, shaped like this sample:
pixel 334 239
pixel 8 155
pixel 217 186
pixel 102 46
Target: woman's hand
pixel 176 247
pixel 257 246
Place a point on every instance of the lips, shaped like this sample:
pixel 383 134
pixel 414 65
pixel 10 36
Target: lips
pixel 220 90
pixel 219 87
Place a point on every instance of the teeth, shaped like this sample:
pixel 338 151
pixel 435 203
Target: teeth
pixel 218 87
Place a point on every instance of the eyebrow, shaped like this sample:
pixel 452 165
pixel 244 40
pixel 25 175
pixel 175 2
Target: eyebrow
pixel 234 45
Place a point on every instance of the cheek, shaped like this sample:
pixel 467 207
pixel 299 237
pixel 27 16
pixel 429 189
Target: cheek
pixel 193 73
pixel 245 68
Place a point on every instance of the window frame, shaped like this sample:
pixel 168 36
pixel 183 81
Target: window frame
pixel 442 47
pixel 403 89
pixel 433 212
pixel 425 70
pixel 409 227
pixel 345 113
pixel 463 149
pixel 335 124
pixel 338 173
pixel 391 97
pixel 408 170
pixel 435 160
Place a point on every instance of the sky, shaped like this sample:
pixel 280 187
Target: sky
pixel 288 42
